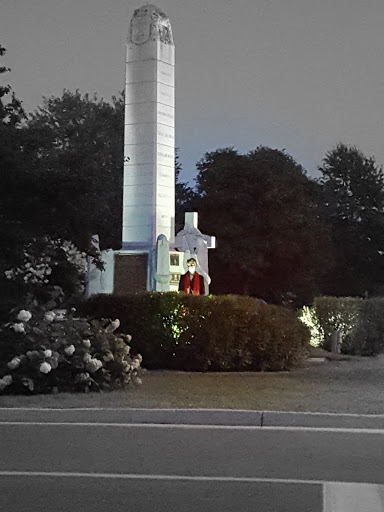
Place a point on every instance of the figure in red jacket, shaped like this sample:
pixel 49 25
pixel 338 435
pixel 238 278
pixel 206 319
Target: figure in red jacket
pixel 192 283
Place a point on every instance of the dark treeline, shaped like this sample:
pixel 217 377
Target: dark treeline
pixel 282 236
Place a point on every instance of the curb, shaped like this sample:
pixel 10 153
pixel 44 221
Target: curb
pixel 220 417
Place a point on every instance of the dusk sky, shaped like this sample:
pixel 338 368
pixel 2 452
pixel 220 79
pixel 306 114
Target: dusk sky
pixel 295 74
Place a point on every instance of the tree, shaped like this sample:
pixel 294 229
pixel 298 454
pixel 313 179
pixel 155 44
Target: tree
pixel 263 210
pixel 353 193
pixel 12 170
pixel 184 195
pixel 75 145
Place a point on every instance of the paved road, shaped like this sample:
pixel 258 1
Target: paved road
pixel 59 461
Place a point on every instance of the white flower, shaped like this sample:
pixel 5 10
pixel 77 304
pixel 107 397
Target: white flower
pixel 48 353
pixel 87 343
pixel 45 367
pixel 126 350
pixel 93 365
pixel 8 274
pixel 69 350
pixel 135 364
pixel 126 366
pixel 14 363
pixel 139 357
pixel 32 353
pixel 18 327
pixel 24 315
pixel 108 357
pixel 116 324
pixel 82 377
pixel 49 316
pixel 113 325
pixel 128 337
pixel 138 381
pixel 87 357
pixel 7 380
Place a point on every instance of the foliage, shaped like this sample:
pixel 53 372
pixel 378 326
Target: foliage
pixel 222 333
pixel 75 147
pixel 353 195
pixel 336 314
pixel 360 322
pixel 184 196
pixel 264 212
pixel 308 317
pixel 45 265
pixel 11 112
pixel 367 338
pixel 13 178
pixel 44 351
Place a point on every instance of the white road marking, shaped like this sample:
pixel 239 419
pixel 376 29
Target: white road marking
pixel 195 427
pixel 197 478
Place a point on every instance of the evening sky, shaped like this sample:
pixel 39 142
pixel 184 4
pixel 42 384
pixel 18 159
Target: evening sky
pixel 295 74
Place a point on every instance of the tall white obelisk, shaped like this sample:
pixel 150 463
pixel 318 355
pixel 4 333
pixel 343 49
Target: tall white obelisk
pixel 150 259
pixel 149 144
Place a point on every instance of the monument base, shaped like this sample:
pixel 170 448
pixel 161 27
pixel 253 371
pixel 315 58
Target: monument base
pixel 159 269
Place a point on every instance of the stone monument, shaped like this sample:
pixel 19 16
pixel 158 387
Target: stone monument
pixel 150 260
pixel 149 146
pixel 149 150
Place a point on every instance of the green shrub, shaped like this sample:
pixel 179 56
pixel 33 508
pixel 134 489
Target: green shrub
pixel 221 333
pixel 360 321
pixel 367 338
pixel 337 314
pixel 308 317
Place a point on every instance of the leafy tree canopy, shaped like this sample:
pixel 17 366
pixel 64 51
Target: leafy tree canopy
pixel 184 195
pixel 12 168
pixel 75 145
pixel 263 209
pixel 353 188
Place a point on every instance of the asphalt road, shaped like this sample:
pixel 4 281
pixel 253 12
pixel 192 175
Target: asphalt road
pixel 79 466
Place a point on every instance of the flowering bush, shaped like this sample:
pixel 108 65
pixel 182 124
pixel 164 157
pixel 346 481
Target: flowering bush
pixel 50 262
pixel 46 352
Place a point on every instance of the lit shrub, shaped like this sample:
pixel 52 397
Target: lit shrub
pixel 360 322
pixel 220 333
pixel 309 318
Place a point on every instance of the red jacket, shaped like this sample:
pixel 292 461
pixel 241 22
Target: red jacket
pixel 192 286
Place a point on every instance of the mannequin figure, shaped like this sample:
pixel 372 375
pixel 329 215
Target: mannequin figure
pixel 191 282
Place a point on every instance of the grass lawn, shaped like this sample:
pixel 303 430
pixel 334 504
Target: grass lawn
pixel 347 386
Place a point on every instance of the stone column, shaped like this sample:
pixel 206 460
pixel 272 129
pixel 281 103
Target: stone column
pixel 149 149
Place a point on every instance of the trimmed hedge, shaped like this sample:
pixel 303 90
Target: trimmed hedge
pixel 360 321
pixel 221 333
